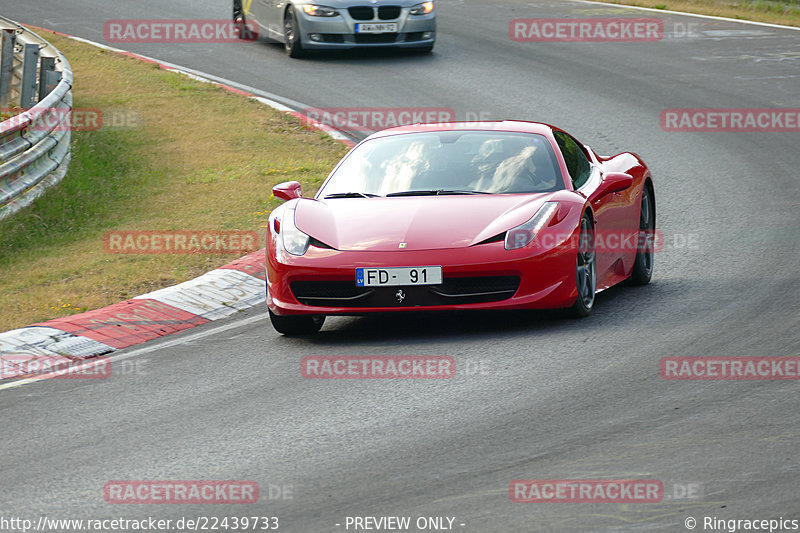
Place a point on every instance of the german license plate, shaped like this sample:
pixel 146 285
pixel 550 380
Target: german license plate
pixel 386 27
pixel 387 277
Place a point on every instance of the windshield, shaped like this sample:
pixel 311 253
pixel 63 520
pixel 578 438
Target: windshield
pixel 446 162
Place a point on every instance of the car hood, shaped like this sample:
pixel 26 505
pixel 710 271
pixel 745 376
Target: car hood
pixel 422 222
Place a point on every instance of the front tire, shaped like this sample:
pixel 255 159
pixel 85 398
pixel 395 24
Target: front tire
pixel 291 34
pixel 643 264
pixel 296 325
pixel 585 270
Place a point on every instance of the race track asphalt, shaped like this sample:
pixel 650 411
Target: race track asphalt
pixel 553 398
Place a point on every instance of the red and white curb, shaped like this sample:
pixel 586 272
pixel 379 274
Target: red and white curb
pixel 234 287
pixel 216 294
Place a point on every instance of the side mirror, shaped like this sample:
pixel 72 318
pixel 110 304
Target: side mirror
pixel 613 182
pixel 288 190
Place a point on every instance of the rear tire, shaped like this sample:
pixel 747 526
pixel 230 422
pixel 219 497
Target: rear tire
pixel 585 270
pixel 296 325
pixel 293 43
pixel 643 264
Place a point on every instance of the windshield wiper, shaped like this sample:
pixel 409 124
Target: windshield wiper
pixel 412 193
pixel 457 191
pixel 351 195
pixel 434 192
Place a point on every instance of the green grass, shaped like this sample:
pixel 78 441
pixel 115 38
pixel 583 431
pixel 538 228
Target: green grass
pixel 196 158
pixel 99 192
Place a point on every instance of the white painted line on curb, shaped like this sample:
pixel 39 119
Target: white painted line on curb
pixel 44 340
pixel 150 347
pixel 712 17
pixel 215 294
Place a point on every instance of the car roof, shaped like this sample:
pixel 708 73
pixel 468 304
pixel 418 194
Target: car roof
pixel 518 126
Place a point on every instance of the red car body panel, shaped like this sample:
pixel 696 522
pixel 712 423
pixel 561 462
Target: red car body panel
pixel 450 231
pixel 351 224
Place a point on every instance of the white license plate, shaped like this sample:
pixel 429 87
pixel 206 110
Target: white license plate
pixel 386 27
pixel 386 277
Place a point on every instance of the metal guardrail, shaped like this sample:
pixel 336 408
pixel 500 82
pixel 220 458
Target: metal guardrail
pixel 36 80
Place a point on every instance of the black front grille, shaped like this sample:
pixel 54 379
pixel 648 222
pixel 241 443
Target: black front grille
pixel 453 291
pixel 313 290
pixel 414 36
pixel 388 12
pixel 375 38
pixel 361 13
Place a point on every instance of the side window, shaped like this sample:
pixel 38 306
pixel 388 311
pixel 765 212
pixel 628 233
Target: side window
pixel 577 164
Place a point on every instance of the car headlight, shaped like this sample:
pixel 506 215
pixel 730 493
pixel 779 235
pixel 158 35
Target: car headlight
pixel 523 235
pixel 319 11
pixel 425 8
pixel 294 241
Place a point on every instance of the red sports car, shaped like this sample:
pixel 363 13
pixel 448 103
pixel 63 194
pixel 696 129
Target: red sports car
pixel 498 215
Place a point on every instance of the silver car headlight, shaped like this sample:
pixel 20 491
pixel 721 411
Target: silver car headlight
pixel 294 241
pixel 523 235
pixel 425 8
pixel 319 11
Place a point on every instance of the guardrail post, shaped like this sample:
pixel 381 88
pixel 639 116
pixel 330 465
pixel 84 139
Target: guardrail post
pixel 48 76
pixel 7 44
pixel 30 64
pixel 32 159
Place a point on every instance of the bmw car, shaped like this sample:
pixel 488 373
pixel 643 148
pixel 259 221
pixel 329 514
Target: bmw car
pixel 498 215
pixel 338 24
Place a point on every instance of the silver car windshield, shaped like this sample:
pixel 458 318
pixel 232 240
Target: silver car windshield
pixel 449 162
